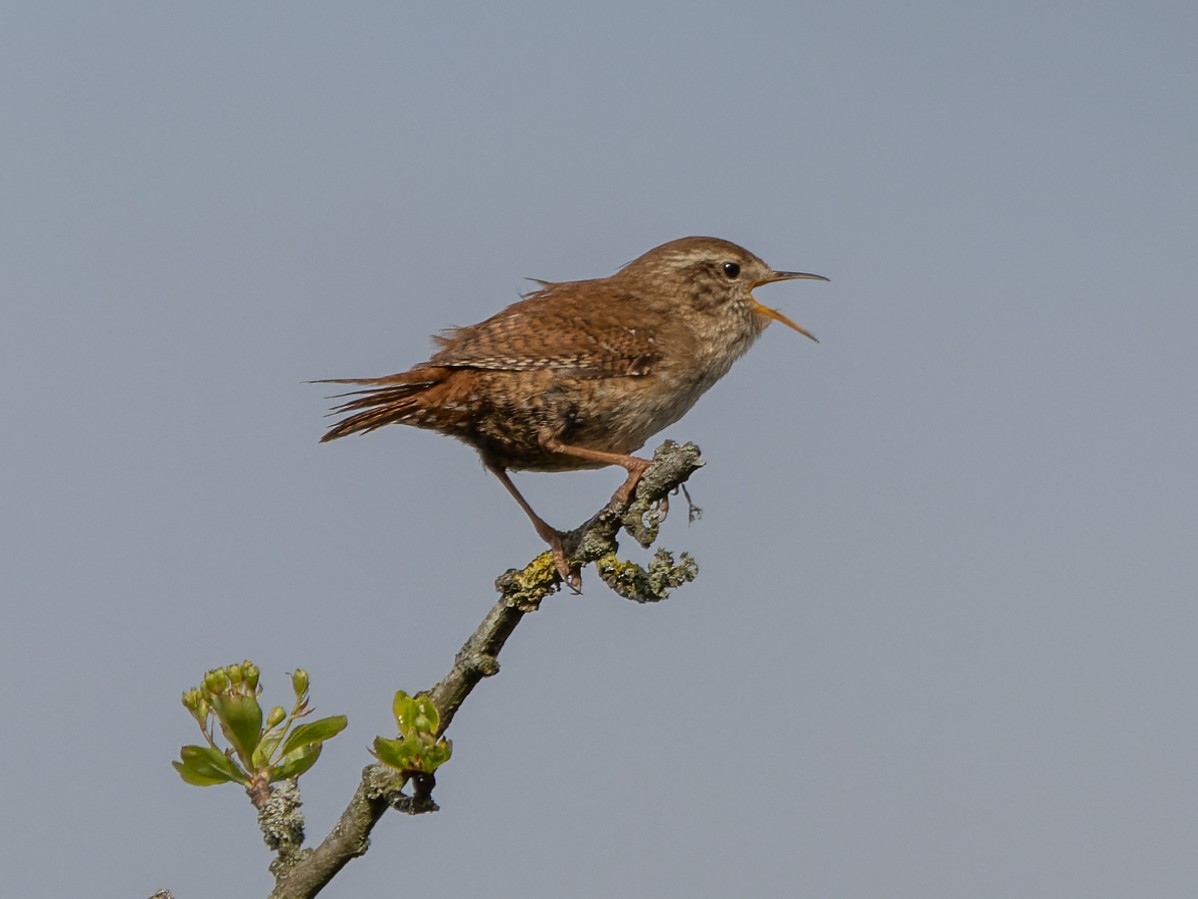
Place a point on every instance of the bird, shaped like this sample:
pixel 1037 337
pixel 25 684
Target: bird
pixel 580 374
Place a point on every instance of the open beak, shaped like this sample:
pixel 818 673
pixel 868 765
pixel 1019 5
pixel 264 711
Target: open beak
pixel 774 313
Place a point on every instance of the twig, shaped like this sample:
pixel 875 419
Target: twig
pixel 521 592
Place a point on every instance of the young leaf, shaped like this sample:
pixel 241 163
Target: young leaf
pixel 438 755
pixel 241 721
pixel 296 763
pixel 414 714
pixel 403 707
pixel 395 754
pixel 203 766
pixel 266 748
pixel 427 718
pixel 314 731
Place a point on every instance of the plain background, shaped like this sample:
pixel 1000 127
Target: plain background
pixel 942 640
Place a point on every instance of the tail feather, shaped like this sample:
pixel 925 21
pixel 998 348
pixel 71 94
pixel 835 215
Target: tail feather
pixel 390 400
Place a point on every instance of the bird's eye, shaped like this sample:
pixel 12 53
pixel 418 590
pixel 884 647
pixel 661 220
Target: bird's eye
pixel 732 270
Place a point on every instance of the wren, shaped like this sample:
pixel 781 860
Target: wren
pixel 579 374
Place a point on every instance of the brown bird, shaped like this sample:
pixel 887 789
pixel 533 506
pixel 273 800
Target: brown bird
pixel 579 374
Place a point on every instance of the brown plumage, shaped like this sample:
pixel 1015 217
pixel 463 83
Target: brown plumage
pixel 579 374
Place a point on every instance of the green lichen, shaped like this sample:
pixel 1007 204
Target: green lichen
pixel 654 584
pixel 524 588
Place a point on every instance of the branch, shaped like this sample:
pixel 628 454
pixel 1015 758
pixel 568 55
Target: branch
pixel 520 592
pixel 595 541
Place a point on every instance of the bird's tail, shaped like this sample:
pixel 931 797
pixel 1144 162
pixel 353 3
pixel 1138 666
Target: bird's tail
pixel 390 400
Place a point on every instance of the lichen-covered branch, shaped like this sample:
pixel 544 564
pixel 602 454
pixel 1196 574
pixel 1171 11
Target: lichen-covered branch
pixel 282 824
pixel 672 464
pixel 520 592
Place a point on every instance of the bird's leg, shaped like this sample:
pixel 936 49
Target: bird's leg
pixel 571 577
pixel 634 465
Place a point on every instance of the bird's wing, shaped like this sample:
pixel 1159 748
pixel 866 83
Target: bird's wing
pixel 551 329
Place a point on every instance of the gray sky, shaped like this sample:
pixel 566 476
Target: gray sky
pixel 942 640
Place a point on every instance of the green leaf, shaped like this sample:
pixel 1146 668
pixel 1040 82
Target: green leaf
pixel 413 754
pixel 296 763
pixel 414 714
pixel 403 707
pixel 203 766
pixel 431 717
pixel 266 747
pixel 315 731
pixel 395 753
pixel 438 755
pixel 240 717
pixel 195 778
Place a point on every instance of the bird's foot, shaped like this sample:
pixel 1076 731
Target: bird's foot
pixel 636 467
pixel 569 575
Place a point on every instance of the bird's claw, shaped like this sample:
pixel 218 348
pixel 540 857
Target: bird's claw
pixel 663 508
pixel 569 575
